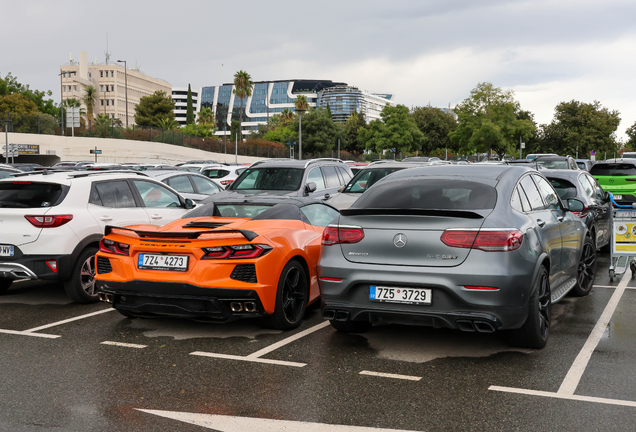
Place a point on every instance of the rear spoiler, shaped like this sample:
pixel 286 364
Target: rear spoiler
pixel 464 214
pixel 249 235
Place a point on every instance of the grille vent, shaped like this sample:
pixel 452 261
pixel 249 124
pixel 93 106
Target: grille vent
pixel 244 273
pixel 103 265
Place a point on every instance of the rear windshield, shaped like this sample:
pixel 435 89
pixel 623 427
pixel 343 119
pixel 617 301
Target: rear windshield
pixel 427 193
pixel 617 169
pixel 243 210
pixel 25 194
pixel 553 164
pixel 269 179
pixel 366 177
pixel 564 188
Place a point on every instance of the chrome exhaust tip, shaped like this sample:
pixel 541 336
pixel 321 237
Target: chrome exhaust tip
pixel 249 306
pixel 236 306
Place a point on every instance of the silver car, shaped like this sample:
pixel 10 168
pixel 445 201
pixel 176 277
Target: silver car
pixel 474 248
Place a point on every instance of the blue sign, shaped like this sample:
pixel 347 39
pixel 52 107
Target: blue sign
pixel 593 153
pixel 290 143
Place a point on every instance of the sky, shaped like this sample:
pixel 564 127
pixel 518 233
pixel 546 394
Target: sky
pixel 421 51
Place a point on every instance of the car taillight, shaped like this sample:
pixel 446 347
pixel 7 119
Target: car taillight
pixel 21 182
pixel 113 247
pixel 46 221
pixel 226 182
pixel 246 251
pixel 485 240
pixel 344 234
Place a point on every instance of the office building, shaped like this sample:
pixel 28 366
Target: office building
pixel 180 98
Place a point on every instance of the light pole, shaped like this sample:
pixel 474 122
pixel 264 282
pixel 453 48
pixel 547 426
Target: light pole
pixel 126 84
pixel 300 132
pixel 62 105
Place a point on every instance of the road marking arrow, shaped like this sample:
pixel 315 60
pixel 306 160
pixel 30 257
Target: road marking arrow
pixel 241 424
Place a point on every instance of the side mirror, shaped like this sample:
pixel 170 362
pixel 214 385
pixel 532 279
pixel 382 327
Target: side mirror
pixel 310 187
pixel 189 204
pixel 575 205
pixel 341 188
pixel 606 196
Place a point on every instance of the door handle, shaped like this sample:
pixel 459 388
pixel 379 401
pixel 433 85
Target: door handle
pixel 105 218
pixel 540 223
pixel 560 218
pixel 156 216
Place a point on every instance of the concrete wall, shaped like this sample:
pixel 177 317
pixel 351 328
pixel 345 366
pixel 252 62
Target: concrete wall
pixel 63 148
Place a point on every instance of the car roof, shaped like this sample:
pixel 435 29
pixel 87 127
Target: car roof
pixel 485 171
pixel 617 160
pixel 295 163
pixel 563 173
pixel 162 174
pixel 66 177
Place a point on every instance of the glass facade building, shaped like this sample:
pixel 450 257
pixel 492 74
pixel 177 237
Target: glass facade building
pixel 343 100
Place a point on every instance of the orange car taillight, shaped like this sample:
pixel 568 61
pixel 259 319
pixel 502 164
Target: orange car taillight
pixel 46 221
pixel 113 247
pixel 235 252
pixel 341 234
pixel 485 240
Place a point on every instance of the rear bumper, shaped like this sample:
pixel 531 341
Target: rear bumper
pixel 144 298
pixel 35 267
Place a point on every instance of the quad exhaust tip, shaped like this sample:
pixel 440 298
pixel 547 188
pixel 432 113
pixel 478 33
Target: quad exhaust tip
pixel 108 298
pixel 473 326
pixel 248 306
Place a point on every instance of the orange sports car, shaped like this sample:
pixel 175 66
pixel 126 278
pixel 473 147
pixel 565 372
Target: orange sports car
pixel 220 262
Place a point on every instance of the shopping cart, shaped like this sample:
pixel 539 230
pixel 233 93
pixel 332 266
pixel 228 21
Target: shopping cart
pixel 623 250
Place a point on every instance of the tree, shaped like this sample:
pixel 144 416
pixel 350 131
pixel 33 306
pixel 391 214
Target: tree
pixel 90 94
pixel 154 108
pixel 320 133
pixel 586 126
pixel 488 121
pixel 166 123
pixel 10 85
pixel 286 116
pixel 631 137
pixel 435 124
pixel 302 104
pixel 243 86
pixel 206 117
pixel 397 130
pixel 72 103
pixel 235 130
pixel 201 130
pixel 16 103
pixel 190 110
pixel 352 126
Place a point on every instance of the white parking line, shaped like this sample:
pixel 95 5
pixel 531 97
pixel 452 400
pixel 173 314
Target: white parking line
pixel 611 286
pixel 69 320
pixel 254 357
pixel 21 333
pixel 121 344
pixel 571 380
pixel 389 375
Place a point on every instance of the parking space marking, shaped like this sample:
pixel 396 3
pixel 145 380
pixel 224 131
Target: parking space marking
pixel 22 333
pixel 389 375
pixel 255 357
pixel 121 344
pixel 611 286
pixel 572 378
pixel 69 320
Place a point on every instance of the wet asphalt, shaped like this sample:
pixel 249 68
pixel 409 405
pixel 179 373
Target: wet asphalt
pixel 75 382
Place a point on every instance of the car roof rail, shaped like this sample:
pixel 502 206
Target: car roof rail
pixel 259 162
pixel 313 161
pixel 78 174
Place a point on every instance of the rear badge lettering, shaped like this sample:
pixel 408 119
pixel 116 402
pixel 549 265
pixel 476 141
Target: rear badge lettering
pixel 444 257
pixel 358 254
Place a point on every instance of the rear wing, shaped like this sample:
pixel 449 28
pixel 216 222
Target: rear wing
pixel 249 235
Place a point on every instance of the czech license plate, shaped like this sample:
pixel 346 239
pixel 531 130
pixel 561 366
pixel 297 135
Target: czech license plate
pixel 618 197
pixel 6 250
pixel 400 295
pixel 163 262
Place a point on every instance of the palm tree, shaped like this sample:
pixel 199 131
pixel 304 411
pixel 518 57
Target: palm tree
pixel 286 116
pixel 166 123
pixel 206 117
pixel 243 86
pixel 301 103
pixel 90 94
pixel 102 120
pixel 72 102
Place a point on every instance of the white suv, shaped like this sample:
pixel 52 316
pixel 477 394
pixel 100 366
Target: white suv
pixel 51 223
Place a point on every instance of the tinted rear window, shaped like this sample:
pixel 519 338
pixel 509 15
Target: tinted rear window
pixel 564 188
pixel 30 195
pixel 367 177
pixel 269 179
pixel 618 169
pixel 426 193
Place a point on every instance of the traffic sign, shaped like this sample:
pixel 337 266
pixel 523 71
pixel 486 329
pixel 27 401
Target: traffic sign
pixel 13 150
pixel 72 117
pixel 95 151
pixel 593 153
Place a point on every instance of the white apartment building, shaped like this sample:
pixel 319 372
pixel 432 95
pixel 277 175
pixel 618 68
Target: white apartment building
pixel 180 98
pixel 110 81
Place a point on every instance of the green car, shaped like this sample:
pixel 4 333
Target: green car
pixel 617 176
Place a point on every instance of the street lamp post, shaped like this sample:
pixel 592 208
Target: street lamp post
pixel 126 84
pixel 300 132
pixel 62 105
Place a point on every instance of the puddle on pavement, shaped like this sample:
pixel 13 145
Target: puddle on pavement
pixel 423 344
pixel 185 329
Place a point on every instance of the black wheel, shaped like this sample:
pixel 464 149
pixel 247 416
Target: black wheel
pixel 5 284
pixel 587 269
pixel 632 267
pixel 535 331
pixel 81 286
pixel 612 273
pixel 350 326
pixel 291 297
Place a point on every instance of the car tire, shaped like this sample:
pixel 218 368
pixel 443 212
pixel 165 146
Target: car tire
pixel 5 284
pixel 291 297
pixel 534 333
pixel 587 269
pixel 350 326
pixel 81 285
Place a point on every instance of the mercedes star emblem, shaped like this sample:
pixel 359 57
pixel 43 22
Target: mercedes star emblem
pixel 400 240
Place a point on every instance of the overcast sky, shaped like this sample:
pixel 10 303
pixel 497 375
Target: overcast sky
pixel 426 51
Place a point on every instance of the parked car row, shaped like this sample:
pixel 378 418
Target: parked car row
pixel 479 248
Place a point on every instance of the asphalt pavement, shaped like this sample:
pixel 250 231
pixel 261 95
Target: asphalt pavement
pixel 70 367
